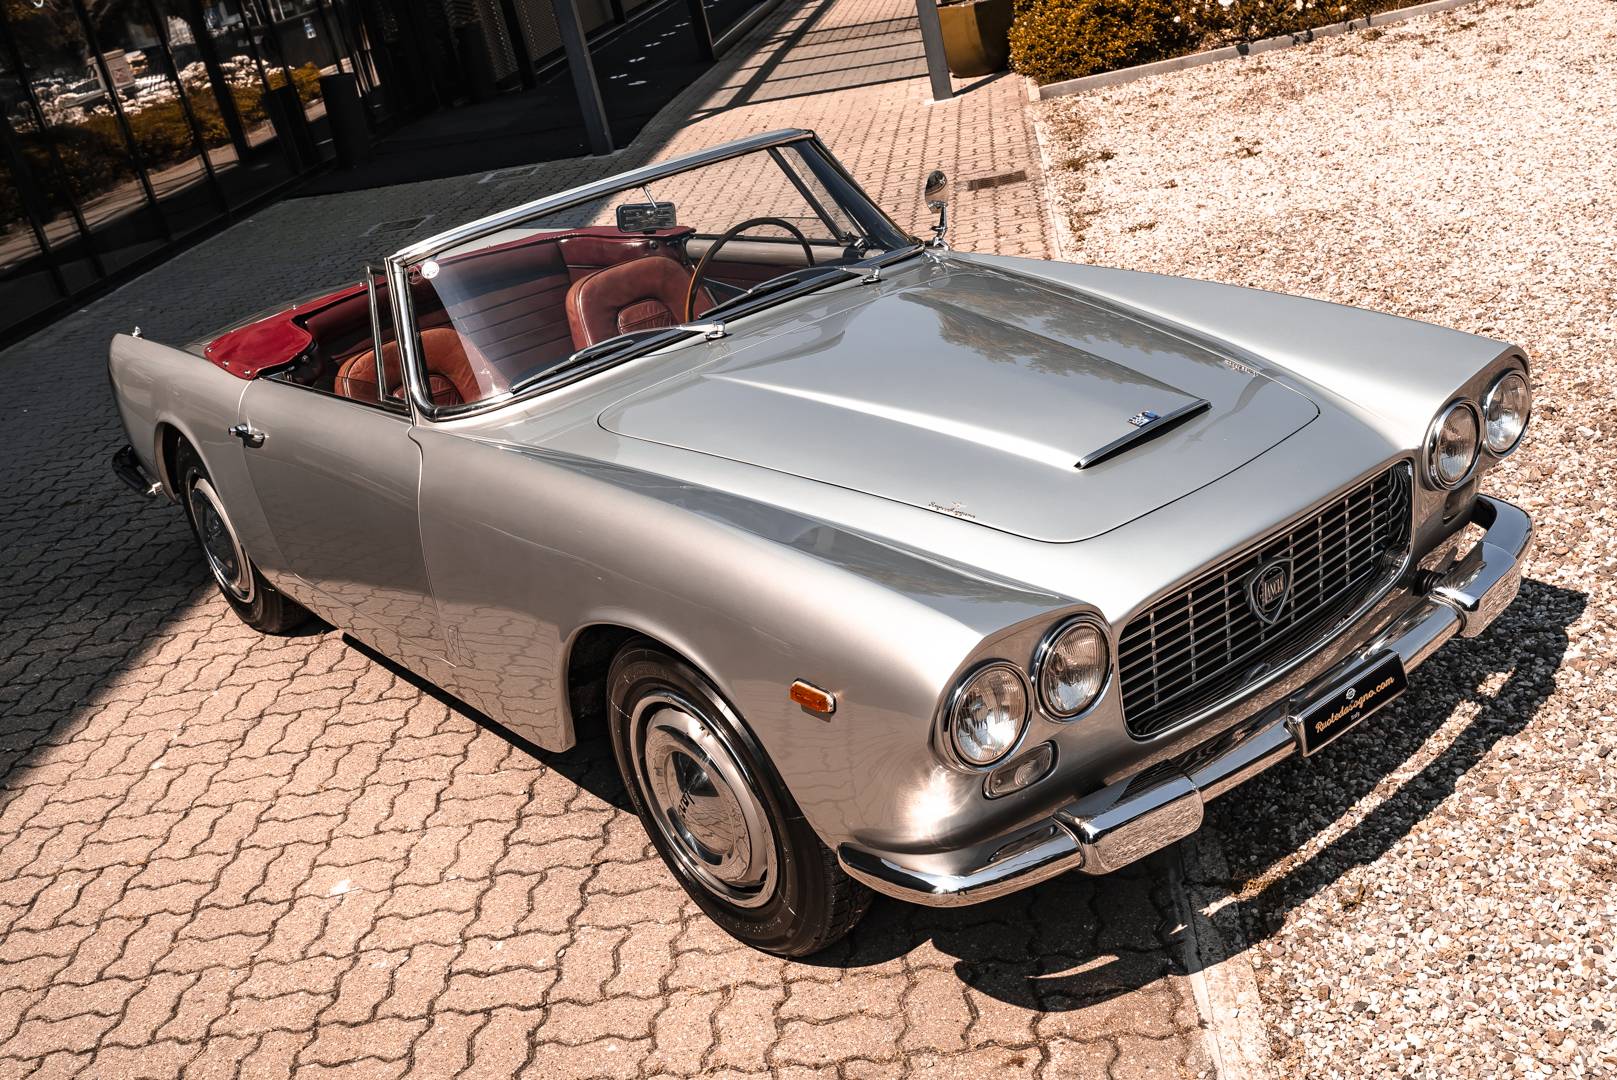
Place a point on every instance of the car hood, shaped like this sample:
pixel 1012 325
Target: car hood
pixel 978 394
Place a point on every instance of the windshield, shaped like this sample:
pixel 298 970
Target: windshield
pixel 592 283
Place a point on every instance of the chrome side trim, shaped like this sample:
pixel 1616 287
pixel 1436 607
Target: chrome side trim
pixel 1130 819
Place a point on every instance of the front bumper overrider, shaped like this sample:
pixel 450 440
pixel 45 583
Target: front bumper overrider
pixel 1131 819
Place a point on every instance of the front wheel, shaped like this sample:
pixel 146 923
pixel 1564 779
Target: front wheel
pixel 718 814
pixel 258 603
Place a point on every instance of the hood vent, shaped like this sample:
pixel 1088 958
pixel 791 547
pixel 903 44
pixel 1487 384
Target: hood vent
pixel 1147 425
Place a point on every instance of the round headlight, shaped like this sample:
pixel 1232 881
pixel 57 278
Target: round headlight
pixel 1452 448
pixel 989 714
pixel 1072 668
pixel 1505 412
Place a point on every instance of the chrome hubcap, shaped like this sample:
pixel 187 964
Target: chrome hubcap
pixel 225 556
pixel 703 801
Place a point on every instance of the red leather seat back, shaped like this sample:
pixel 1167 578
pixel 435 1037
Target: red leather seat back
pixel 585 253
pixel 508 302
pixel 639 295
pixel 455 374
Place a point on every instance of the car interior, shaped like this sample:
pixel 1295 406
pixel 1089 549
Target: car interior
pixel 490 316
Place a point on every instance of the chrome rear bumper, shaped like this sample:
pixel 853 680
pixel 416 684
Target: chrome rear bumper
pixel 127 467
pixel 1129 820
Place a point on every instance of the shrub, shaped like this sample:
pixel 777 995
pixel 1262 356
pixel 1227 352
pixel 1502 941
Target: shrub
pixel 1066 39
pixel 305 78
pixel 92 155
pixel 1249 20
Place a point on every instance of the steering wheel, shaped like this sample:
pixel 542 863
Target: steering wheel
pixel 728 235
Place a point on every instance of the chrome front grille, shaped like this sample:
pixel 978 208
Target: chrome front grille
pixel 1195 646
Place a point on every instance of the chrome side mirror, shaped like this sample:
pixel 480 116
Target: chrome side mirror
pixel 935 191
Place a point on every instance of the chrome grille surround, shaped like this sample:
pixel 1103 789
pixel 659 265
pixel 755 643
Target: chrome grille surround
pixel 1199 644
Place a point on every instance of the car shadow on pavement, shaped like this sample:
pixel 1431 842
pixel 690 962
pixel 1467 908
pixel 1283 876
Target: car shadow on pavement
pixel 1077 941
pixel 588 764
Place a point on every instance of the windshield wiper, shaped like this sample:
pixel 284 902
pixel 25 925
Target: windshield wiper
pixel 807 275
pixel 896 256
pixel 623 347
pixel 874 267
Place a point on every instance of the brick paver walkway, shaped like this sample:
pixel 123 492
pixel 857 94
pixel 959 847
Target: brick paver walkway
pixel 228 855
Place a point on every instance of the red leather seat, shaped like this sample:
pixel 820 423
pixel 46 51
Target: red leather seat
pixel 456 372
pixel 641 294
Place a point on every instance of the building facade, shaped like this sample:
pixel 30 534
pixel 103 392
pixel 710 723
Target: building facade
pixel 128 127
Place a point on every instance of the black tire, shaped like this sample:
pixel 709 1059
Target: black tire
pixel 805 901
pixel 258 603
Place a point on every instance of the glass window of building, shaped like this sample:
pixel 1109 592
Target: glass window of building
pixel 43 253
pixel 27 281
pixel 297 45
pixel 80 126
pixel 225 84
pixel 145 89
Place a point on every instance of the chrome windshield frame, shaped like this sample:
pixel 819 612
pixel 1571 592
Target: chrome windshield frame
pixel 398 264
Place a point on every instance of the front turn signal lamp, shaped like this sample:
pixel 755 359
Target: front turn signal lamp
pixel 1021 772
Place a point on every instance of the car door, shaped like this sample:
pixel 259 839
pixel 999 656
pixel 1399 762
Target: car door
pixel 338 479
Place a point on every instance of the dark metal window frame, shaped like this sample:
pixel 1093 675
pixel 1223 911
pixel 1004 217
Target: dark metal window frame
pixel 27 173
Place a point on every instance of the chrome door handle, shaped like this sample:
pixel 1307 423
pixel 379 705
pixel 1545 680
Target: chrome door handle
pixel 249 435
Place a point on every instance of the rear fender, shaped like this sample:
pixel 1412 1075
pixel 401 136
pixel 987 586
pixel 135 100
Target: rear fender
pixel 157 386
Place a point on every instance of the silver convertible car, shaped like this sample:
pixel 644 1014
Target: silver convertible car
pixel 886 567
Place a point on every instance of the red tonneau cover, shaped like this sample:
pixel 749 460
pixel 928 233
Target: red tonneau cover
pixel 271 341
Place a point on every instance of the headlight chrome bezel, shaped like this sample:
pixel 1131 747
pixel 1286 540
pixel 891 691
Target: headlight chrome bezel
pixel 1040 657
pixel 950 744
pixel 1433 433
pixel 1487 404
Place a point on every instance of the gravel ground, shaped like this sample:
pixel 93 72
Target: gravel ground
pixel 1435 895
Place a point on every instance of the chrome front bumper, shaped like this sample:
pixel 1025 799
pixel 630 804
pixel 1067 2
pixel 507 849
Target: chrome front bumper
pixel 1129 819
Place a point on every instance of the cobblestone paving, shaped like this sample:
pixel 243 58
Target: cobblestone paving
pixel 229 855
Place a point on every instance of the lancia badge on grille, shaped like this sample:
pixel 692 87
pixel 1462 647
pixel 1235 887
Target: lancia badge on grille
pixel 1268 589
pixel 1144 417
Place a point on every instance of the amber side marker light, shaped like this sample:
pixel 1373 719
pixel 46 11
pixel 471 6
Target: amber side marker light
pixel 813 699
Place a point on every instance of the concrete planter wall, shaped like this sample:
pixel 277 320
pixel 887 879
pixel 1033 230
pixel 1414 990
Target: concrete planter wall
pixel 976 36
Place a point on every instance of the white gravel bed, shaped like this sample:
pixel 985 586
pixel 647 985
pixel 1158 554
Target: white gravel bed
pixel 1437 894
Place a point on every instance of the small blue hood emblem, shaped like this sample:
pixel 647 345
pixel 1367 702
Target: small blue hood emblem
pixel 1144 417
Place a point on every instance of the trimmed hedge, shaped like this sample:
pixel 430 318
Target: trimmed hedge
pixel 1065 39
pixel 1052 40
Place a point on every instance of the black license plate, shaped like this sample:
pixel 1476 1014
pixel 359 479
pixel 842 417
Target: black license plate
pixel 1364 690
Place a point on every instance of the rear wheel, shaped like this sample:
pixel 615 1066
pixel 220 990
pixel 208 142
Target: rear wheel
pixel 259 603
pixel 718 814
